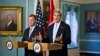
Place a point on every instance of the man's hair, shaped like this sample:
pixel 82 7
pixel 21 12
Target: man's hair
pixel 10 15
pixel 32 15
pixel 57 11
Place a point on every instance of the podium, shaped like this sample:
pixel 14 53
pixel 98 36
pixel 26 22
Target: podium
pixel 16 45
pixel 46 47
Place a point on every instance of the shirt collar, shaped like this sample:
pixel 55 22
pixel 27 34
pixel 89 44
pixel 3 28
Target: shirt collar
pixel 32 27
pixel 58 22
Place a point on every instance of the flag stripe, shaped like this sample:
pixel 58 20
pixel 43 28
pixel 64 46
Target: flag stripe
pixel 52 7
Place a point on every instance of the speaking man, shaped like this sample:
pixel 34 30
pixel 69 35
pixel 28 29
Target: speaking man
pixel 58 32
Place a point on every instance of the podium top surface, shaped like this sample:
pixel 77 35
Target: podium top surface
pixel 29 45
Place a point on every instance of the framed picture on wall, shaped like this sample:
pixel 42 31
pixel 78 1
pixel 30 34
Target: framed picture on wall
pixel 10 20
pixel 92 19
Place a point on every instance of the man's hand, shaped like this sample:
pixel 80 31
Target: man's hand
pixel 59 38
pixel 25 41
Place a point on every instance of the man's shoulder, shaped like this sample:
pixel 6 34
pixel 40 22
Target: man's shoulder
pixel 27 29
pixel 34 28
pixel 50 26
pixel 64 24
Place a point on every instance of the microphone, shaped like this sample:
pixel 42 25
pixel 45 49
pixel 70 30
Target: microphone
pixel 34 39
pixel 38 37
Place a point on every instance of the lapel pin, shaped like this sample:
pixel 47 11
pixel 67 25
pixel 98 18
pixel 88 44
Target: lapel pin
pixel 61 27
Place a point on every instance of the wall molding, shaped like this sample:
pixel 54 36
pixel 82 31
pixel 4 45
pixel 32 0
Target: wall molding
pixel 68 2
pixel 89 40
pixel 88 1
pixel 94 52
pixel 27 11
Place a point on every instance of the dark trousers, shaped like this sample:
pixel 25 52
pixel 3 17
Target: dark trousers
pixel 58 53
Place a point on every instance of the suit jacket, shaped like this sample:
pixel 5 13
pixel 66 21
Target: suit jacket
pixel 66 38
pixel 26 38
pixel 11 27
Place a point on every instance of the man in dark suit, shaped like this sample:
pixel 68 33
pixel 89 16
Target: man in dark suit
pixel 30 33
pixel 58 32
pixel 11 26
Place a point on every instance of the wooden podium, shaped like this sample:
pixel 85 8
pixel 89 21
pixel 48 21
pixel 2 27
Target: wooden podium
pixel 16 45
pixel 46 47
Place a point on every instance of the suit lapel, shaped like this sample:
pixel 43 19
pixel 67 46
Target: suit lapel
pixel 51 30
pixel 27 35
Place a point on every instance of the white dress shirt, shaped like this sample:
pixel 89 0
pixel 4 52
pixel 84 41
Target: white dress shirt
pixel 31 30
pixel 55 30
pixel 9 23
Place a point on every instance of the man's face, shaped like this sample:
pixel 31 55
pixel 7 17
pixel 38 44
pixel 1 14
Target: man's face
pixel 31 21
pixel 9 18
pixel 56 17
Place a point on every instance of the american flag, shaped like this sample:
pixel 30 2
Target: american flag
pixel 40 20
